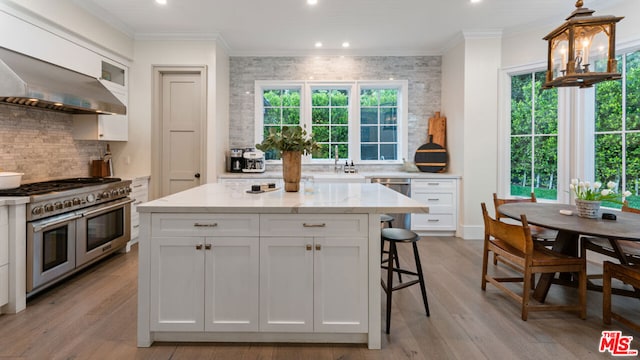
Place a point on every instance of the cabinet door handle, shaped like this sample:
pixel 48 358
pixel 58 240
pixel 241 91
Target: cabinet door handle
pixel 207 246
pixel 309 247
pixel 318 247
pixel 433 199
pixel 433 220
pixel 433 184
pixel 313 225
pixel 205 225
pixel 199 247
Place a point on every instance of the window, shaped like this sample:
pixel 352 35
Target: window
pixel 281 107
pixel 364 121
pixel 617 129
pixel 379 124
pixel 330 121
pixel 533 137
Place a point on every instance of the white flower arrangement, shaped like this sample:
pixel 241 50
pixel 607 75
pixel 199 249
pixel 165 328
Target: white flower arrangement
pixel 584 190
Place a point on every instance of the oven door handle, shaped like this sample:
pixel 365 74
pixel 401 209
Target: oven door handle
pixel 41 226
pixel 107 208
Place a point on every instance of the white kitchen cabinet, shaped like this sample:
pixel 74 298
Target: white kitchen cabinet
pixel 441 195
pixel 139 194
pixel 106 127
pixel 102 127
pixel 43 44
pixel 205 270
pixel 313 272
pixel 4 256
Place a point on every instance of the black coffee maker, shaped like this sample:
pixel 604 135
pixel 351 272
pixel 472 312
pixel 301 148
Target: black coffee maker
pixel 236 160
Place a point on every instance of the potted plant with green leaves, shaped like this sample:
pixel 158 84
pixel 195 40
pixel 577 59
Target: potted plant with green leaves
pixel 590 196
pixel 291 142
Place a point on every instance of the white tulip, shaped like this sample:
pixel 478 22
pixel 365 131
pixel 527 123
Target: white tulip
pixel 572 187
pixel 597 185
pixel 587 184
pixel 574 182
pixel 581 184
pixel 611 184
pixel 605 192
pixel 627 193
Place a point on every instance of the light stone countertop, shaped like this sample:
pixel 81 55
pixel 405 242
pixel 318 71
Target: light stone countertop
pixel 14 200
pixel 366 174
pixel 327 198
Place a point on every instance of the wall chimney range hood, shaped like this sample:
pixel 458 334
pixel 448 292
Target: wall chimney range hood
pixel 27 81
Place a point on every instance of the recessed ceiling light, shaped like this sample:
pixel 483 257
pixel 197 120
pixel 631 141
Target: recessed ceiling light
pixel 161 2
pixel 312 2
pixel 318 44
pixel 346 44
pixel 475 1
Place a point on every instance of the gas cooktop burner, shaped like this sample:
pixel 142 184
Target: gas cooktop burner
pixel 55 185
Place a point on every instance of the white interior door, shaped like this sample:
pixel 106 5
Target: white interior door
pixel 182 130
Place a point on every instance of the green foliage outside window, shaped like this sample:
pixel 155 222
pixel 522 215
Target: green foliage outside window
pixel 534 140
pixel 281 108
pixel 616 133
pixel 378 124
pixel 330 122
pixel 617 129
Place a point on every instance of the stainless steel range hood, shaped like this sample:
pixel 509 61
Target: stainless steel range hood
pixel 31 82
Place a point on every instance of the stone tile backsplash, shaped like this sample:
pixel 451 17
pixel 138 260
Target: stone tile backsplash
pixel 39 143
pixel 422 72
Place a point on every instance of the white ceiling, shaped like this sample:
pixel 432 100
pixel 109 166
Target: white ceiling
pixel 373 27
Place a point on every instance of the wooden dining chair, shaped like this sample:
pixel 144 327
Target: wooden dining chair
pixel 629 274
pixel 514 243
pixel 541 236
pixel 630 249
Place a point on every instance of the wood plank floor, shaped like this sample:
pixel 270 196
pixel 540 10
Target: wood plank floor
pixel 93 316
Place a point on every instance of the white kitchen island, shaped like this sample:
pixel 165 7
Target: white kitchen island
pixel 219 264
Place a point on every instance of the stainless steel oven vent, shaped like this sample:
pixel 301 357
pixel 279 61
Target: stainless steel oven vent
pixel 27 81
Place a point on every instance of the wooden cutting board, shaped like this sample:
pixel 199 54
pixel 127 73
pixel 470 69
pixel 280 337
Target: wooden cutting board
pixel 438 130
pixel 431 157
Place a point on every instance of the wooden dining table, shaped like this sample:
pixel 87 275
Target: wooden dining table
pixel 626 226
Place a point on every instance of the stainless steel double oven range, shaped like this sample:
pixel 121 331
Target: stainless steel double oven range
pixel 72 223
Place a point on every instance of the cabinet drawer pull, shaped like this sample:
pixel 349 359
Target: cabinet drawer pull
pixel 207 246
pixel 136 226
pixel 137 186
pixel 199 247
pixel 433 184
pixel 433 220
pixel 313 225
pixel 309 247
pixel 318 247
pixel 433 199
pixel 205 225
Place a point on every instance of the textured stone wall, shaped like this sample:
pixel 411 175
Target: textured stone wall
pixel 39 144
pixel 422 72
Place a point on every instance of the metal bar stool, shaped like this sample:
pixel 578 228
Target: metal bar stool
pixel 394 236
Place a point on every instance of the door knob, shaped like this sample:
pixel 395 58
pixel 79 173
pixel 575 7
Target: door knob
pixel 197 175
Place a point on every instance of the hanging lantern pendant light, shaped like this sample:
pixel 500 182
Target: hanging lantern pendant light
pixel 582 50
